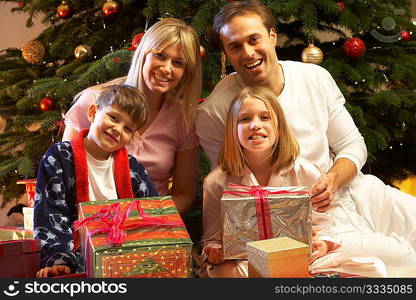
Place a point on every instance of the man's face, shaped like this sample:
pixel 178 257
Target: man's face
pixel 250 48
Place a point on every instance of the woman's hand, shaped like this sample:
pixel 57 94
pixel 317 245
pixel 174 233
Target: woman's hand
pixel 57 270
pixel 214 253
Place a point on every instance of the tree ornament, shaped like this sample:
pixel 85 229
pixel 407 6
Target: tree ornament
pixel 111 9
pixel 64 11
pixel 46 104
pixel 312 54
pixel 202 52
pixel 405 35
pixel 223 69
pixel 136 41
pixel 341 5
pixel 20 4
pixel 82 52
pixel 3 124
pixel 354 47
pixel 33 51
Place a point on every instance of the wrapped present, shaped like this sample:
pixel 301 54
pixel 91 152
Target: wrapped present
pixel 19 258
pixel 30 189
pixel 28 217
pixel 8 233
pixel 257 213
pixel 280 257
pixel 134 238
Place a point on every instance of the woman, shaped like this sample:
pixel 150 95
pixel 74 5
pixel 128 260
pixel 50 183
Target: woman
pixel 166 68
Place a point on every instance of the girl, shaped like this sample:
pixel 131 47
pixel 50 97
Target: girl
pixel 166 68
pixel 259 149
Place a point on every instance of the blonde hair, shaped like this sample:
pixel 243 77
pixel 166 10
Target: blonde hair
pixel 128 98
pixel 286 149
pixel 163 34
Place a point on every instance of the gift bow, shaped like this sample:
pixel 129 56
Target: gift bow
pixel 116 224
pixel 260 194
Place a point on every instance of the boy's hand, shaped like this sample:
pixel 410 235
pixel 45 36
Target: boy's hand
pixel 214 253
pixel 57 270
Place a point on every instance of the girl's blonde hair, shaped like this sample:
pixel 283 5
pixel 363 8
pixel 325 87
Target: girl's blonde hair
pixel 163 34
pixel 285 150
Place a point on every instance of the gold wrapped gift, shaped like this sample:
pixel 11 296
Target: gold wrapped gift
pixel 281 257
pixel 8 233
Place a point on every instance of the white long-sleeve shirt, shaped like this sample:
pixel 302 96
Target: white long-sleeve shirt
pixel 314 108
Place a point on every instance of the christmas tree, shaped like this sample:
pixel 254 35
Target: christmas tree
pixel 369 52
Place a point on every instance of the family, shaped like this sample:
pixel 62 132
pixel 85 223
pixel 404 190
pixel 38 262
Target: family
pixel 271 123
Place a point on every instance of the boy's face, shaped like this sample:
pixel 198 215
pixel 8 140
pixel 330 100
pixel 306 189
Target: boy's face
pixel 250 48
pixel 111 129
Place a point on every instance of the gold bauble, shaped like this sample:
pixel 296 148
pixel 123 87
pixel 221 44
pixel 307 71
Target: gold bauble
pixel 82 52
pixel 312 54
pixel 2 124
pixel 33 52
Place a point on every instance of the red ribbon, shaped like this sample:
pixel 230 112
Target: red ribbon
pixel 115 223
pixel 260 194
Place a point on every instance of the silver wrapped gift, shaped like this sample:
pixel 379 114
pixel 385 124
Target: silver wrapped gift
pixel 257 213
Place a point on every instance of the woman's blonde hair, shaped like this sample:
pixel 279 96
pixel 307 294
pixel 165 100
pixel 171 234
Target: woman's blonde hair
pixel 163 34
pixel 285 150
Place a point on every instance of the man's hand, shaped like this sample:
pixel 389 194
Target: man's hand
pixel 214 253
pixel 57 270
pixel 323 192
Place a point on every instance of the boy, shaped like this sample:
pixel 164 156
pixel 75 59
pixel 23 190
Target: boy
pixel 93 166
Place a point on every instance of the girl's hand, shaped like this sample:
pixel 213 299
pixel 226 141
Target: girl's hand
pixel 214 253
pixel 319 249
pixel 57 270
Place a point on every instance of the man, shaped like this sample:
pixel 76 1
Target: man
pixel 315 111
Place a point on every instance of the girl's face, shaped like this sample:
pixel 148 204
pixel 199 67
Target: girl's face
pixel 163 69
pixel 255 129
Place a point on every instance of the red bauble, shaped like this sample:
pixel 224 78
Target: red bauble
pixel 406 36
pixel 64 11
pixel 46 104
pixel 341 5
pixel 136 41
pixel 111 9
pixel 20 3
pixel 354 47
pixel 202 52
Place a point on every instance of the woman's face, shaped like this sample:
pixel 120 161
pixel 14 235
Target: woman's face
pixel 163 69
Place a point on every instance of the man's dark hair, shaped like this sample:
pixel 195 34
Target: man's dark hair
pixel 239 8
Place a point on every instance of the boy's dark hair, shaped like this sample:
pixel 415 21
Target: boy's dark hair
pixel 239 8
pixel 129 98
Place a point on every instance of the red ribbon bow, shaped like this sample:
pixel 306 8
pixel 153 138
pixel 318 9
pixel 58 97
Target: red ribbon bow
pixel 115 220
pixel 260 194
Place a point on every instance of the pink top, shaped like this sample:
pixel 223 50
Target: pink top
pixel 158 144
